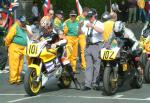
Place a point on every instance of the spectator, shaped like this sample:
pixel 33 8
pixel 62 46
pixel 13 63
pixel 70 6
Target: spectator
pixel 114 16
pixel 35 11
pixel 115 10
pixel 148 12
pixel 132 6
pixel 93 30
pixel 58 20
pixel 51 15
pixel 123 11
pixel 4 4
pixel 3 51
pixel 141 5
pixel 16 40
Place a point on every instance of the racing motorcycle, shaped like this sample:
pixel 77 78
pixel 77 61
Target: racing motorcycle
pixel 45 63
pixel 119 64
pixel 145 56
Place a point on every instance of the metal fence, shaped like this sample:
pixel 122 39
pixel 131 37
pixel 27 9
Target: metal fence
pixel 25 8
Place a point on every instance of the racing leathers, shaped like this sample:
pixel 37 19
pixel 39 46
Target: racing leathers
pixel 126 34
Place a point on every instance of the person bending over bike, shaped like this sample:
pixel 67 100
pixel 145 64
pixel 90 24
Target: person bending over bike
pixel 47 30
pixel 121 32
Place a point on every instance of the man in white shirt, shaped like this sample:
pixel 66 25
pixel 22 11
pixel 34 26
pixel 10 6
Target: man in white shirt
pixel 35 11
pixel 93 30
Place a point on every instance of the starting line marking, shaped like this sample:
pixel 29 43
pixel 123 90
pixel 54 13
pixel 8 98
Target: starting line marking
pixel 12 94
pixel 27 98
pixel 117 97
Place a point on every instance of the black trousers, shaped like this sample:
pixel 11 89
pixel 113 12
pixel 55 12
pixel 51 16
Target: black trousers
pixel 3 57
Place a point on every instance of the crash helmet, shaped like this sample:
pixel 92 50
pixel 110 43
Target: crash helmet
pixel 45 22
pixel 92 12
pixel 105 16
pixel 22 19
pixel 118 28
pixel 115 7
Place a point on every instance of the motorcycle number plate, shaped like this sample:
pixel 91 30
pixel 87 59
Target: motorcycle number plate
pixel 108 55
pixel 33 50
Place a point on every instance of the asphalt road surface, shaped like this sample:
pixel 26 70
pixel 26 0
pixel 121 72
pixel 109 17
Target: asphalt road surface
pixel 52 94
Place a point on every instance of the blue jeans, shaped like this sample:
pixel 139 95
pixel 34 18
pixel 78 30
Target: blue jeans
pixel 142 11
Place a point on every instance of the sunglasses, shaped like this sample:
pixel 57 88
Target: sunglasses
pixel 51 14
pixel 73 15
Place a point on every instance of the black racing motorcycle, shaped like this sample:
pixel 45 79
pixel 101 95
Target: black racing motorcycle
pixel 120 64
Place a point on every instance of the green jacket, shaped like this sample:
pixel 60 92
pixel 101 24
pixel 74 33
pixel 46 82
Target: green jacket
pixel 71 28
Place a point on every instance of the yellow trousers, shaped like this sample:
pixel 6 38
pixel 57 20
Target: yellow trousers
pixel 72 50
pixel 82 44
pixel 15 62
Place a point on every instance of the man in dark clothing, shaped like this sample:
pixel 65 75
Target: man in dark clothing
pixel 3 51
pixel 123 11
pixel 132 5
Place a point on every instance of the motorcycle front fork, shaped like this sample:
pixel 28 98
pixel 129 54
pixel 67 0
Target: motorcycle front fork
pixel 115 73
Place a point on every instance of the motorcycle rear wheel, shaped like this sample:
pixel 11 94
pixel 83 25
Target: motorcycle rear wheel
pixel 32 87
pixel 138 79
pixel 65 79
pixel 143 59
pixel 147 72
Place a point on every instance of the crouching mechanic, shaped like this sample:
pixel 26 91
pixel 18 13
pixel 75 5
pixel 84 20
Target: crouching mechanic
pixel 58 39
pixel 120 31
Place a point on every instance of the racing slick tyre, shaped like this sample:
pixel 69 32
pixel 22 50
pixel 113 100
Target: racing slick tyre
pixel 32 87
pixel 143 59
pixel 147 72
pixel 65 79
pixel 110 85
pixel 138 78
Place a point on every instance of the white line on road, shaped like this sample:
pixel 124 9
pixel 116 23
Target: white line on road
pixel 106 98
pixel 11 94
pixel 27 98
pixel 148 98
pixel 118 96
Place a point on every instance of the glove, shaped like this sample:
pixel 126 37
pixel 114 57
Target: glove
pixel 53 46
pixel 107 45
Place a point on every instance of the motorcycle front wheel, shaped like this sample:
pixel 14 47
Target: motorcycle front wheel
pixel 32 87
pixel 110 84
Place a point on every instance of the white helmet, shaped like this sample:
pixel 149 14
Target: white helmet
pixel 45 21
pixel 118 28
pixel 115 7
pixel 105 16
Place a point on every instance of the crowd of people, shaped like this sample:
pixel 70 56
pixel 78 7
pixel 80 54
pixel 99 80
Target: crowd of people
pixel 85 35
pixel 137 11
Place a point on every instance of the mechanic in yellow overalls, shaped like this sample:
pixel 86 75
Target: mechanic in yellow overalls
pixel 58 20
pixel 71 31
pixel 16 40
pixel 82 38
